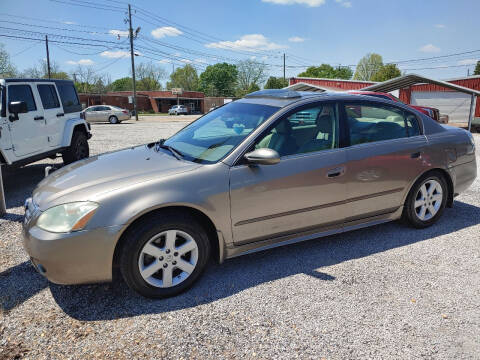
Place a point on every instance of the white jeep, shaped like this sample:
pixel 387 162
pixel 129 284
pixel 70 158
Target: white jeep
pixel 40 118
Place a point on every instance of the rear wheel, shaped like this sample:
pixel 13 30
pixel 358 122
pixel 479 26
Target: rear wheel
pixel 163 256
pixel 426 201
pixel 78 148
pixel 113 119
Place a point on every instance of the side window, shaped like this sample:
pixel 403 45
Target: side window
pixel 69 97
pixel 49 97
pixel 413 127
pixel 308 130
pixel 22 93
pixel 370 123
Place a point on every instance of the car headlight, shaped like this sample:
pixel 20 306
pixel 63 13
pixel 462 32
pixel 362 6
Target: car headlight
pixel 67 217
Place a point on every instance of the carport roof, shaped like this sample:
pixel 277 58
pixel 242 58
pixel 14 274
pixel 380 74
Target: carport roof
pixel 302 86
pixel 414 79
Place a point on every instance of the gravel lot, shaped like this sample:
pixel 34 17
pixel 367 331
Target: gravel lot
pixel 383 292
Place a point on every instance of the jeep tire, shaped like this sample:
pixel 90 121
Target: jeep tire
pixel 78 148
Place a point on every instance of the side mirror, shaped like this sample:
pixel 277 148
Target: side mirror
pixel 15 108
pixel 263 156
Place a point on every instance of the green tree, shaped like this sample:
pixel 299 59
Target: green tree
pixel 122 84
pixel 327 71
pixel 251 74
pixel 387 72
pixel 276 83
pixel 6 67
pixel 477 69
pixel 219 80
pixel 185 77
pixel 368 66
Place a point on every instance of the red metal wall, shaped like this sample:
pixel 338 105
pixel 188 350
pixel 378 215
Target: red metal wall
pixel 333 83
pixel 472 83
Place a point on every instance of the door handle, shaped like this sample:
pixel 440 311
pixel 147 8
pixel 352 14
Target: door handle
pixel 60 114
pixel 38 118
pixel 416 155
pixel 336 172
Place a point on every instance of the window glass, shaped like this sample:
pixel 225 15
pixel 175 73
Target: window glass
pixel 49 97
pixel 69 97
pixel 370 123
pixel 413 127
pixel 215 134
pixel 22 93
pixel 308 130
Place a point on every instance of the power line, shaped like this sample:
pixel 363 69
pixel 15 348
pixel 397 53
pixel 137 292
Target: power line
pixel 78 3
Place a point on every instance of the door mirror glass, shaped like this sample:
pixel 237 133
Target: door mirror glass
pixel 17 107
pixel 263 156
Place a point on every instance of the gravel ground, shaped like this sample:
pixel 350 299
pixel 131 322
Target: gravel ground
pixel 383 292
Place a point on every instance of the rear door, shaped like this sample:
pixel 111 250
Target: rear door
pixel 385 155
pixel 304 192
pixel 28 133
pixel 52 112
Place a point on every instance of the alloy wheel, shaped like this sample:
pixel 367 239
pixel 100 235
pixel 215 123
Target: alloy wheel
pixel 428 200
pixel 168 258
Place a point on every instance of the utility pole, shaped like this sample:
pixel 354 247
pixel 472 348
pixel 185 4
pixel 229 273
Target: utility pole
pixel 132 55
pixel 283 66
pixel 48 56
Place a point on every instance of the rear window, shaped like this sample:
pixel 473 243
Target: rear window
pixel 49 97
pixel 69 97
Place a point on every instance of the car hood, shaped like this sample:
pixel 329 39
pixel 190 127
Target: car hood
pixel 90 178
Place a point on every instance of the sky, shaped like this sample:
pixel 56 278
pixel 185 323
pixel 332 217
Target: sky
pixel 309 32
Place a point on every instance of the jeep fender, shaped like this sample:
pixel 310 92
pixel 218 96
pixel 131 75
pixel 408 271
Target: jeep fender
pixel 70 126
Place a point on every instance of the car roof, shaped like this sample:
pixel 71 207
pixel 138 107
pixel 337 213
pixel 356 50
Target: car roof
pixel 9 80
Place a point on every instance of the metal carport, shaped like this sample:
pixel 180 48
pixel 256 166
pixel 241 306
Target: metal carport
pixel 407 81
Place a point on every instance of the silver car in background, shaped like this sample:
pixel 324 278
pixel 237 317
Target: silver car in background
pixel 244 177
pixel 106 113
pixel 178 110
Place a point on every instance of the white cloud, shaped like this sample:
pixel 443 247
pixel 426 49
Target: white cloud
pixel 346 4
pixel 250 42
pixel 115 54
pixel 121 33
pixel 467 62
pixel 310 3
pixel 80 62
pixel 440 26
pixel 186 61
pixel 165 61
pixel 296 39
pixel 165 31
pixel 69 22
pixel 430 48
pixel 201 61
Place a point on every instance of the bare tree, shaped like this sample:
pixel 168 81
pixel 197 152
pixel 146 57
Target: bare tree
pixel 6 67
pixel 149 76
pixel 251 74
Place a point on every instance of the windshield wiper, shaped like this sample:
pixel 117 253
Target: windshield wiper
pixel 175 152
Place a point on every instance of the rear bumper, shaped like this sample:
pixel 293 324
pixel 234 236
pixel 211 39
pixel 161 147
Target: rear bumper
pixel 72 258
pixel 464 175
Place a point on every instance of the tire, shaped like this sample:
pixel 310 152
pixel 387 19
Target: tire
pixel 113 119
pixel 426 201
pixel 78 148
pixel 150 236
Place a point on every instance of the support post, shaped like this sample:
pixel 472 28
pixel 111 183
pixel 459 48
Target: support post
pixel 48 56
pixel 283 66
pixel 472 112
pixel 3 205
pixel 132 55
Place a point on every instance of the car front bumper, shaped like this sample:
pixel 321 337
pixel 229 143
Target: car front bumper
pixel 71 258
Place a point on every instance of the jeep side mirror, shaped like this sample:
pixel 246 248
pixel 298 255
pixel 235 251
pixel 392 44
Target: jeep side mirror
pixel 15 108
pixel 263 156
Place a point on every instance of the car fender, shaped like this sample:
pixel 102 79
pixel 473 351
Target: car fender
pixel 70 125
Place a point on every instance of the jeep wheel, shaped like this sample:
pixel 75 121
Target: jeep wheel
pixel 78 148
pixel 113 120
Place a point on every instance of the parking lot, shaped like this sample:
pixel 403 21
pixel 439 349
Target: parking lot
pixel 384 292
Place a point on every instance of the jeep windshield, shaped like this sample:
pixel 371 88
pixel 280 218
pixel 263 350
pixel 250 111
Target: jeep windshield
pixel 214 135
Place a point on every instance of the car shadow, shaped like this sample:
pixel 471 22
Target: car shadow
pixel 116 300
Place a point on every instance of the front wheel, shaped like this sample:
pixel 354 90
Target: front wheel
pixel 426 201
pixel 78 148
pixel 163 256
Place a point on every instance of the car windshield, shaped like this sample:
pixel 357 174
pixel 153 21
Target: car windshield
pixel 214 135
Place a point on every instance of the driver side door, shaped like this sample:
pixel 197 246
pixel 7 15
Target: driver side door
pixel 302 194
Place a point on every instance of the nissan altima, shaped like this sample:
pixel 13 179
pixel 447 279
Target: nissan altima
pixel 244 177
